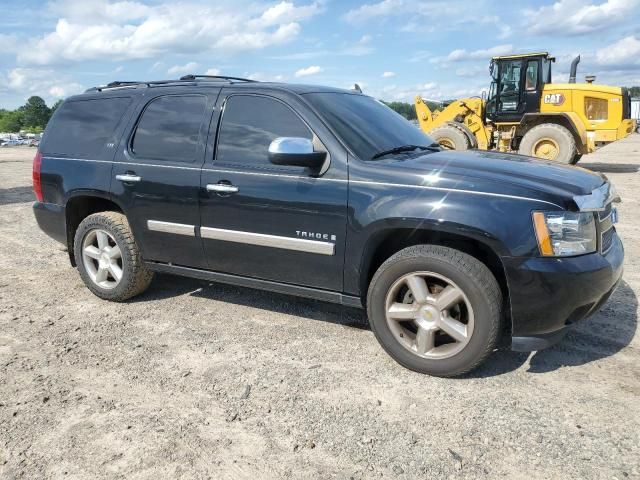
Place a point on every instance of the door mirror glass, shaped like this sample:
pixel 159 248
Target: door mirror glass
pixel 295 151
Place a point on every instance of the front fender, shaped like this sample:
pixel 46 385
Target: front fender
pixel 501 223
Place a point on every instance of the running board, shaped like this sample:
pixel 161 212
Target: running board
pixel 271 286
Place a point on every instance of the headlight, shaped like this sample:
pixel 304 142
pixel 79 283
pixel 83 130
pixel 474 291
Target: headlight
pixel 562 234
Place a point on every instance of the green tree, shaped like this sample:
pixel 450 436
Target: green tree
pixel 11 122
pixel 407 110
pixel 56 105
pixel 35 112
pixel 634 91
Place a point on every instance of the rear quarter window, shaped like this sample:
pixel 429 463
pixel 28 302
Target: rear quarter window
pixel 82 128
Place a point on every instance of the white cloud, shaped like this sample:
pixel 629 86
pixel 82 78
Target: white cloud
pixel 461 55
pixel 98 29
pixel 369 11
pixel 186 68
pixel 44 82
pixel 576 17
pixel 97 11
pixel 312 70
pixel 286 12
pixel 388 74
pixel 361 47
pixel 624 52
pixel 212 71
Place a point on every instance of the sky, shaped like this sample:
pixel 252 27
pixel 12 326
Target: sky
pixel 394 49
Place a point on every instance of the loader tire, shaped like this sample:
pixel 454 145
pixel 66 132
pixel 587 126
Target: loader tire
pixel 450 138
pixel 549 141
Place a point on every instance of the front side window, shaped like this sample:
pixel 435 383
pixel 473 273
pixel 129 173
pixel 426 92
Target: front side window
pixel 169 128
pixel 250 123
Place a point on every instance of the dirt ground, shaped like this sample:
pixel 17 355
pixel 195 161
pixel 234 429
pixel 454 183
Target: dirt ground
pixel 200 380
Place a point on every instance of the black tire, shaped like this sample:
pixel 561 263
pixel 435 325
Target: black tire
pixel 135 275
pixel 566 144
pixel 450 138
pixel 470 275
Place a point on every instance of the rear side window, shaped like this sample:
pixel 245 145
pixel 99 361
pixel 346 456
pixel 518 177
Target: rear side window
pixel 250 123
pixel 169 128
pixel 82 128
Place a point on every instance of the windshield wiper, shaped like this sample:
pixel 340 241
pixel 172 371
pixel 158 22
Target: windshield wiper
pixel 406 148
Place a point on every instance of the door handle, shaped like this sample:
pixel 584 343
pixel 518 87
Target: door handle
pixel 221 188
pixel 128 178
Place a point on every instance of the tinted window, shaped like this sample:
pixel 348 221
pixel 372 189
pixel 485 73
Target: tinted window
pixel 82 128
pixel 170 128
pixel 366 125
pixel 250 124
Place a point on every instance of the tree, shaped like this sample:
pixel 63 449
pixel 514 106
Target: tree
pixel 634 91
pixel 407 110
pixel 11 122
pixel 35 112
pixel 56 105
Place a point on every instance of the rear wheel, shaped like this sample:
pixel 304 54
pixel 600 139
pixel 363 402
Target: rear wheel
pixel 108 258
pixel 435 310
pixel 450 138
pixel 550 142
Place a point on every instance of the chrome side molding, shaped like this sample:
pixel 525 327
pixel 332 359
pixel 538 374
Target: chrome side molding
pixel 274 241
pixel 169 227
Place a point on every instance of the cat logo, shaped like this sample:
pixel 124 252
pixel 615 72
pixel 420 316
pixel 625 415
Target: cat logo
pixel 554 98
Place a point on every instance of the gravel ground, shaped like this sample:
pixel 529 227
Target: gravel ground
pixel 201 380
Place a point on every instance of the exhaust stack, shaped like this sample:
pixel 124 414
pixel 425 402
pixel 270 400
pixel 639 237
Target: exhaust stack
pixel 574 69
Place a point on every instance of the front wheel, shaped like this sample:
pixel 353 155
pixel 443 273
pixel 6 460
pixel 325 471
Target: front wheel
pixel 108 257
pixel 435 310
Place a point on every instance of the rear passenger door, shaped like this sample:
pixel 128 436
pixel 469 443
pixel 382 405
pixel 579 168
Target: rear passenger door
pixel 273 222
pixel 156 175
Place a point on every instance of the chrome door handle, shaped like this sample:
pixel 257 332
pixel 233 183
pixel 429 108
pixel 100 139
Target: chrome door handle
pixel 221 188
pixel 128 178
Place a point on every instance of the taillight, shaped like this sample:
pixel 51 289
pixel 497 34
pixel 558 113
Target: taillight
pixel 37 184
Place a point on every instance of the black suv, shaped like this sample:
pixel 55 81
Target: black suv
pixel 326 193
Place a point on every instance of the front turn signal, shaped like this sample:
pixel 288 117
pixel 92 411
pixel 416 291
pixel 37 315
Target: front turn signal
pixel 542 234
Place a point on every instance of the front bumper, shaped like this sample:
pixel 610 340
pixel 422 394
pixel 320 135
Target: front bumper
pixel 548 294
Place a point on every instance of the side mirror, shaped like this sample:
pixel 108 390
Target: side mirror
pixel 296 152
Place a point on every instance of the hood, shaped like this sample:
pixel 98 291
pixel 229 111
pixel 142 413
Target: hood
pixel 494 172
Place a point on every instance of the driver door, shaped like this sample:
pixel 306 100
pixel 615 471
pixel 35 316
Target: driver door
pixel 280 223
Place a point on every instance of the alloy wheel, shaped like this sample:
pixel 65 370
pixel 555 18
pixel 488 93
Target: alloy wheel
pixel 429 315
pixel 102 258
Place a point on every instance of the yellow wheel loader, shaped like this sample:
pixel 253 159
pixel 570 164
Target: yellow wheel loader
pixel 525 113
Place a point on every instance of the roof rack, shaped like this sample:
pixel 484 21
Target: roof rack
pixel 216 77
pixel 186 78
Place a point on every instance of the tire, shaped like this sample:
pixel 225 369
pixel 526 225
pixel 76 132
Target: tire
pixel 552 138
pixel 134 277
pixel 481 300
pixel 450 138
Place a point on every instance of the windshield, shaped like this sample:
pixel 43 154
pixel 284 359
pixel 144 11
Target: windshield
pixel 366 125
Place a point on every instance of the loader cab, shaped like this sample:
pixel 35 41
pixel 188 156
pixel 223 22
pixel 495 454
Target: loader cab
pixel 516 86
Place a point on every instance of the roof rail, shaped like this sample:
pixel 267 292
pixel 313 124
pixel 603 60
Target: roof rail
pixel 216 77
pixel 186 78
